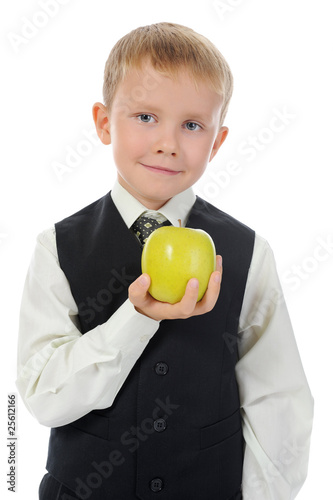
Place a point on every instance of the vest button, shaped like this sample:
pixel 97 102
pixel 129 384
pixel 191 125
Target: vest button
pixel 156 485
pixel 160 425
pixel 161 368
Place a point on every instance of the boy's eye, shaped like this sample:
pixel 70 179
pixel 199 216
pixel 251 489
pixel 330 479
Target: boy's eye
pixel 192 126
pixel 146 118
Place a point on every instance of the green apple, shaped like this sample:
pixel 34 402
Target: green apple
pixel 172 256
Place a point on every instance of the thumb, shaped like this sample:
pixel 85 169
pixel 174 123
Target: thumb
pixel 138 290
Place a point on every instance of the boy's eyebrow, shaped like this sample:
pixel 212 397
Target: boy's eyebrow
pixel 195 115
pixel 200 116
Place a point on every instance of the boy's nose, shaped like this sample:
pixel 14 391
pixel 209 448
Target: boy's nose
pixel 167 143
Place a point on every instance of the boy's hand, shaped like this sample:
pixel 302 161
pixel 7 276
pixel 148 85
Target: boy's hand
pixel 145 304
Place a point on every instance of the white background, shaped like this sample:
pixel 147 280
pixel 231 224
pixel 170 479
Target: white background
pixel 281 56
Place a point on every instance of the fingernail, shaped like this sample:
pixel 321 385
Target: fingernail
pixel 217 278
pixel 143 280
pixel 219 260
pixel 194 283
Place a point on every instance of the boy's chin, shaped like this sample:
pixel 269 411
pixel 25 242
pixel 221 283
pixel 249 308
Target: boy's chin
pixel 153 199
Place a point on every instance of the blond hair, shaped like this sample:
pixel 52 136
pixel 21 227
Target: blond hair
pixel 169 48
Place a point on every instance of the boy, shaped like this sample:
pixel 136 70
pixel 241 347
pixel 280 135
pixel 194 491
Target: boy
pixel 146 399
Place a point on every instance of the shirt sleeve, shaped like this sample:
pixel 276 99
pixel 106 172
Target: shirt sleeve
pixel 276 403
pixel 62 374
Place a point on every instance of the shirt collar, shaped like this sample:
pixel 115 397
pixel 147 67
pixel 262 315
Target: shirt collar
pixel 130 208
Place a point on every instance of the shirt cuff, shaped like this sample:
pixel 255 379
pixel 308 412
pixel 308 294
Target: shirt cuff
pixel 133 332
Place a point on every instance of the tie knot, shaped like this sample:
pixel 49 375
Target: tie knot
pixel 144 226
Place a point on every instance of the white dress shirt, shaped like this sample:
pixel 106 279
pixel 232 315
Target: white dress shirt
pixel 62 374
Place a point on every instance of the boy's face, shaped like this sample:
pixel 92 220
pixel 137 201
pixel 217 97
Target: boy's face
pixel 163 131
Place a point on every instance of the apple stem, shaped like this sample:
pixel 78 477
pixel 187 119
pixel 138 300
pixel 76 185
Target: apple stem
pixel 180 222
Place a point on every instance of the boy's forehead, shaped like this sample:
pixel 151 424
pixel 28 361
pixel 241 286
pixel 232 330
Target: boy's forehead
pixel 149 77
pixel 143 82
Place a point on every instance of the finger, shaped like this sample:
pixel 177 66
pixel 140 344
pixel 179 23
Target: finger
pixel 213 290
pixel 189 300
pixel 219 263
pixel 215 278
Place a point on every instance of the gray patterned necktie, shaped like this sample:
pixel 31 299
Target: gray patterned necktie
pixel 144 226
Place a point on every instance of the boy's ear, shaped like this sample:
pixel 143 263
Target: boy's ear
pixel 102 122
pixel 219 140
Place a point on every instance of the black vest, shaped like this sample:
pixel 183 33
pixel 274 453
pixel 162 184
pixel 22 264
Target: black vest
pixel 174 429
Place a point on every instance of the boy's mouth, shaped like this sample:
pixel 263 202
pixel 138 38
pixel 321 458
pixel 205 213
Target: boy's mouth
pixel 161 170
